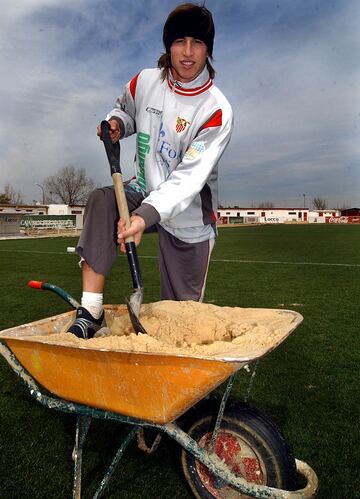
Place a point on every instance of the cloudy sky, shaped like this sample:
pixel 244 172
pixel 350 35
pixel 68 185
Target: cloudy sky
pixel 290 69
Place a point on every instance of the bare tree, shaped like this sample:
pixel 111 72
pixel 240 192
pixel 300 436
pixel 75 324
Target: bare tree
pixel 69 185
pixel 4 199
pixel 10 196
pixel 319 203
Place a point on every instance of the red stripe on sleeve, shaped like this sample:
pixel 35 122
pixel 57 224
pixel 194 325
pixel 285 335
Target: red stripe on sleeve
pixel 215 120
pixel 133 85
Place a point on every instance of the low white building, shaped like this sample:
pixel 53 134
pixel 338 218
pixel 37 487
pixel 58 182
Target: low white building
pixel 322 216
pixel 237 215
pixel 17 218
pixel 64 209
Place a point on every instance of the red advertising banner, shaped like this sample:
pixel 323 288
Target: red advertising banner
pixel 342 220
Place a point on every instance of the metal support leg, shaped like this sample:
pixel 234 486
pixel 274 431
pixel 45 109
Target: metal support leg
pixel 82 427
pixel 218 482
pixel 221 412
pixel 252 378
pixel 110 471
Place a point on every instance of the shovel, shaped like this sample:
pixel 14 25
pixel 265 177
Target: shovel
pixel 113 153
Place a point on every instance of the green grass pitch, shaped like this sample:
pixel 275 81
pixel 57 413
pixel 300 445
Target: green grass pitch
pixel 309 385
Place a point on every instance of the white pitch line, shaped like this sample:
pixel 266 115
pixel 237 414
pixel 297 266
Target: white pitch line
pixel 221 260
pixel 32 252
pixel 290 263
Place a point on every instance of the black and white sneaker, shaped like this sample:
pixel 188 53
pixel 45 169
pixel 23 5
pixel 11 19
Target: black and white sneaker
pixel 85 325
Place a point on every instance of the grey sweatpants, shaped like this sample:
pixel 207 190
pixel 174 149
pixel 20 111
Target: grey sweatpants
pixel 183 266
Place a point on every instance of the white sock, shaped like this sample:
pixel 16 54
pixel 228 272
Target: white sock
pixel 93 302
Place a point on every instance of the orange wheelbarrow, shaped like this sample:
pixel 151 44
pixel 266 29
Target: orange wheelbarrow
pixel 228 450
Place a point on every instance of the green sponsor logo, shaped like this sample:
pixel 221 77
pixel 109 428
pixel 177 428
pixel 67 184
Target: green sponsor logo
pixel 143 149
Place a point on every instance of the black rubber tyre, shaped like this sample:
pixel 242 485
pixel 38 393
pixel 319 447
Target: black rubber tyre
pixel 248 441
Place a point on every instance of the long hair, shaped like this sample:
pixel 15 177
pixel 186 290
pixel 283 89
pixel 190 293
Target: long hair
pixel 188 19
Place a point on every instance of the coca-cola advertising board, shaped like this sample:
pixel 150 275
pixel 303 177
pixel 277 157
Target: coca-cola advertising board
pixel 342 220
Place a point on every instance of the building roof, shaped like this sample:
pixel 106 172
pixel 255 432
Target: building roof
pixel 23 206
pixel 350 210
pixel 273 208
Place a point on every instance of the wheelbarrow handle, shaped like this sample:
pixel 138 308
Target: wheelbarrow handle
pixel 55 289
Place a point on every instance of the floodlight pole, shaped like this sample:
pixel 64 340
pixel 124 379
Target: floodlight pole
pixel 43 192
pixel 304 200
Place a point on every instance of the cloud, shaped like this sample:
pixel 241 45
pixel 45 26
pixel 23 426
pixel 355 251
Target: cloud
pixel 289 70
pixel 295 112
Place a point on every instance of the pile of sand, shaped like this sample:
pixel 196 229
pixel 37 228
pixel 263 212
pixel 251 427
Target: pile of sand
pixel 190 328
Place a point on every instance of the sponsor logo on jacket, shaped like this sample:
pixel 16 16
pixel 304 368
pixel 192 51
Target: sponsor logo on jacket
pixel 154 111
pixel 143 148
pixel 195 149
pixel 166 149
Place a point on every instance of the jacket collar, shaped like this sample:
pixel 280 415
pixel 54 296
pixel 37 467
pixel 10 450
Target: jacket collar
pixel 200 84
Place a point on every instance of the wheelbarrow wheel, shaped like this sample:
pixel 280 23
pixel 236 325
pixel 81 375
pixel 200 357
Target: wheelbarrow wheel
pixel 248 442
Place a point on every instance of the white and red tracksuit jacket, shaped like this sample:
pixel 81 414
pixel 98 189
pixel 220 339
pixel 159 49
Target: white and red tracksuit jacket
pixel 182 131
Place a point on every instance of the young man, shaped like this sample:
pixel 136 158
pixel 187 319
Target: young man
pixel 183 125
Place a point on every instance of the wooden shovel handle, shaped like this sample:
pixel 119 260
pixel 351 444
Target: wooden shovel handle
pixel 113 154
pixel 122 202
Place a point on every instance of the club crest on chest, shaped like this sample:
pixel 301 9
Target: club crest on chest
pixel 181 124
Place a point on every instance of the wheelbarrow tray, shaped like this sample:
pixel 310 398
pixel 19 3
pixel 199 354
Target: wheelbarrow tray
pixel 155 387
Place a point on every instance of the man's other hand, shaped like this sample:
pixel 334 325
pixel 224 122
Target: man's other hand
pixel 114 131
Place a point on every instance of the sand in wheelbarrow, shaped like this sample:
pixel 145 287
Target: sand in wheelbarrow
pixel 191 328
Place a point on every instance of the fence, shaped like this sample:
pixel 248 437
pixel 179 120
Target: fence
pixel 48 223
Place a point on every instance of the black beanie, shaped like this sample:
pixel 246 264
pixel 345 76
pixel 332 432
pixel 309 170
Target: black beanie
pixel 189 20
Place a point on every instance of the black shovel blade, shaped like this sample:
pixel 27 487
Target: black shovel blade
pixel 136 324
